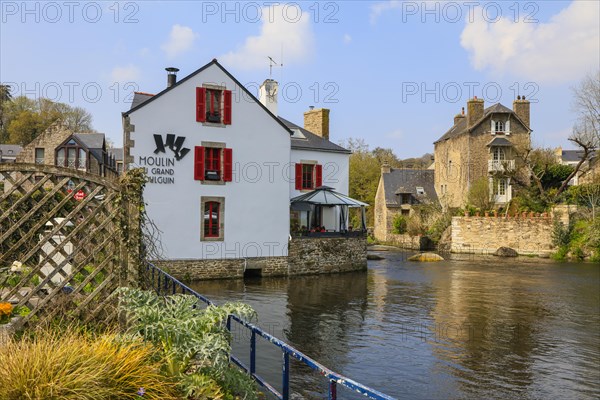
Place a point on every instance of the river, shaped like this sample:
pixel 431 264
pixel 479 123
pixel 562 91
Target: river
pixel 470 327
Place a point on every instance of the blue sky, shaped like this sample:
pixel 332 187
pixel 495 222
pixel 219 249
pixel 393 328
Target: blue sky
pixel 393 73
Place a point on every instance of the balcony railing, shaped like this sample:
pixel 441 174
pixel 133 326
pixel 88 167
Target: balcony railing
pixel 501 165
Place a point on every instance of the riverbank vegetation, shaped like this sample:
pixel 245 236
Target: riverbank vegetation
pixel 163 348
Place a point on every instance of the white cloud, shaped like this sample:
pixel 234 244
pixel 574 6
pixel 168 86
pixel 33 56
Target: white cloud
pixel 563 49
pixel 280 29
pixel 181 39
pixel 129 73
pixel 347 39
pixel 382 6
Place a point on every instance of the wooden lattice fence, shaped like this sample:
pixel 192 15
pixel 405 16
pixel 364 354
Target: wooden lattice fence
pixel 68 239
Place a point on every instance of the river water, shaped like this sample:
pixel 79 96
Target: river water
pixel 469 328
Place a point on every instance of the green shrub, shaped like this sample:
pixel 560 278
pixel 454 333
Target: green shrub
pixel 192 340
pixel 561 234
pixel 399 224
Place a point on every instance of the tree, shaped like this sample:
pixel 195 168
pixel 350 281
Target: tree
pixel 479 194
pixel 5 98
pixel 364 176
pixel 25 127
pixel 23 119
pixel 386 156
pixel 586 132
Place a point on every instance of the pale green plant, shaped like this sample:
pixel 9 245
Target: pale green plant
pixel 193 339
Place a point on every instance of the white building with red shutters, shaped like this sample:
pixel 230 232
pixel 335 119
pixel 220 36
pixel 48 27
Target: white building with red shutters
pixel 222 166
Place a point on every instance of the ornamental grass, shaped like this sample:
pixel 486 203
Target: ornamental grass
pixel 71 364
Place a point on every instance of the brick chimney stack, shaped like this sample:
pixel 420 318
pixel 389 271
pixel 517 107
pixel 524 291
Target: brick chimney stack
pixel 459 116
pixel 474 111
pixel 317 121
pixel 521 108
pixel 385 168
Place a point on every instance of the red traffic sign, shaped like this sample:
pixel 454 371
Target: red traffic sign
pixel 80 195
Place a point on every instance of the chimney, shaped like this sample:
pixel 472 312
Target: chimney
pixel 385 168
pixel 317 121
pixel 171 76
pixel 558 154
pixel 474 111
pixel 460 116
pixel 521 108
pixel 267 94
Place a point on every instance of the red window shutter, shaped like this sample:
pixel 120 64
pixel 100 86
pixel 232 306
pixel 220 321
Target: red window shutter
pixel 199 163
pixel 227 107
pixel 227 165
pixel 298 176
pixel 318 175
pixel 200 104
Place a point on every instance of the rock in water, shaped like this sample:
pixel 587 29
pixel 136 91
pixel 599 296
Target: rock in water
pixel 427 257
pixel 506 252
pixel 374 257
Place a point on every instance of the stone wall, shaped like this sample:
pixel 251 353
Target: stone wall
pixel 484 235
pixel 407 241
pixel 305 256
pixel 327 255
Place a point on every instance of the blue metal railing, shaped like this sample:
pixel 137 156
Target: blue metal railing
pixel 165 284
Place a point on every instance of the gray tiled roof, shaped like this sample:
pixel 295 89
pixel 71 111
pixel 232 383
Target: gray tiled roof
pixel 139 98
pixel 91 140
pixel 10 149
pixel 461 126
pixel 572 155
pixel 117 153
pixel 312 141
pixel 406 181
pixel 499 141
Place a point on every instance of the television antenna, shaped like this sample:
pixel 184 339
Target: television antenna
pixel 272 63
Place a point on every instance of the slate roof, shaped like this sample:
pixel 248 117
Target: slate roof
pixel 500 141
pixel 406 181
pixel 10 150
pixel 312 141
pixel 573 156
pixel 117 153
pixel 139 98
pixel 94 143
pixel 196 72
pixel 461 126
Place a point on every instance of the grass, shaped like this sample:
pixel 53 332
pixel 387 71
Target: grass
pixel 73 364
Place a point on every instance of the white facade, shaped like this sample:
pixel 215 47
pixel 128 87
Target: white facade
pixel 256 202
pixel 255 205
pixel 335 174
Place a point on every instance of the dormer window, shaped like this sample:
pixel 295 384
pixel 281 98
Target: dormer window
pixel 499 127
pixel 213 105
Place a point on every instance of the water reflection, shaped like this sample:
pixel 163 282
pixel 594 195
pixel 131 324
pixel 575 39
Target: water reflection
pixel 468 328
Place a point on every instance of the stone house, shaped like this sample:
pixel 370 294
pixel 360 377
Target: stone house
pixel 59 146
pixel 399 192
pixel 572 158
pixel 484 143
